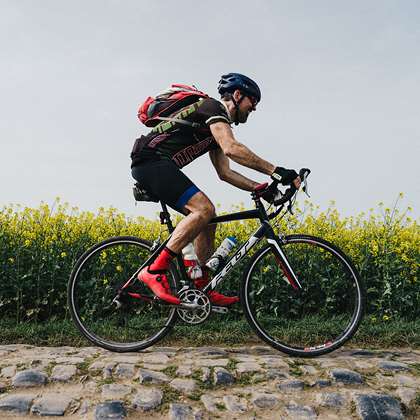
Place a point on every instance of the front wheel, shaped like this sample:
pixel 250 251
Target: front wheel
pixel 137 320
pixel 318 318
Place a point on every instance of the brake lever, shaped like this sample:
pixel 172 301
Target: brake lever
pixel 305 186
pixel 304 174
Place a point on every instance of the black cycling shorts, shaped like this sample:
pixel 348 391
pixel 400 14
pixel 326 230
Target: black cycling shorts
pixel 166 181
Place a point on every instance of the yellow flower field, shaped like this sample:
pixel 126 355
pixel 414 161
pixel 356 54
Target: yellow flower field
pixel 38 247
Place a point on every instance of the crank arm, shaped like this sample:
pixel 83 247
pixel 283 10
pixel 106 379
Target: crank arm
pixel 220 309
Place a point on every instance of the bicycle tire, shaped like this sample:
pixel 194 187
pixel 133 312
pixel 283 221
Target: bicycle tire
pixel 276 314
pixel 89 288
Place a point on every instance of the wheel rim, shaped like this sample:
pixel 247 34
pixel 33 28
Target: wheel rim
pixel 317 319
pixel 138 323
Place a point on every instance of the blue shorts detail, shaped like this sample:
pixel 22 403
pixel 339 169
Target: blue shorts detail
pixel 185 197
pixel 166 181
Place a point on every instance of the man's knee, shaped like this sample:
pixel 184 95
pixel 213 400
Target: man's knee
pixel 200 204
pixel 207 211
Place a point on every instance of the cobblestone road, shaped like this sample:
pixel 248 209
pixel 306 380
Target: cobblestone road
pixel 252 382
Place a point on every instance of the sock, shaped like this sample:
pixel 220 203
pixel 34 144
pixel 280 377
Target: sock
pixel 162 261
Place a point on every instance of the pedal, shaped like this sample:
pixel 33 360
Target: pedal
pixel 219 309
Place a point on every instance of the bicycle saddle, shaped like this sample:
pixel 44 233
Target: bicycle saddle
pixel 142 195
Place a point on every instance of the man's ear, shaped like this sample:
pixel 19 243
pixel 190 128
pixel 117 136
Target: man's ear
pixel 237 94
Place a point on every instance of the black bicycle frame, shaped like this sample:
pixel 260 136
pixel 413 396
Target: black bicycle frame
pixel 265 230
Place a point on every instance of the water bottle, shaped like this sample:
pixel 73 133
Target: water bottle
pixel 191 262
pixel 217 259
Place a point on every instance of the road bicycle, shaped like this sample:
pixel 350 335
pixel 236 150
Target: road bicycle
pixel 301 294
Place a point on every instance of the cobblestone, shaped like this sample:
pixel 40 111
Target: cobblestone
pixel 236 383
pixel 149 376
pixel 209 403
pixel 298 412
pixel 347 377
pixel 125 370
pixel 183 385
pixel 63 373
pixel 331 399
pixel 235 404
pixel 222 377
pixel 110 410
pixel 248 367
pixel 147 399
pixel 264 400
pixel 28 378
pixel 395 366
pixel 16 404
pixel 180 412
pixel 115 391
pixel 51 405
pixel 378 407
pixel 291 386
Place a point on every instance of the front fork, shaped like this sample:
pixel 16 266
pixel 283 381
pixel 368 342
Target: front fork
pixel 284 263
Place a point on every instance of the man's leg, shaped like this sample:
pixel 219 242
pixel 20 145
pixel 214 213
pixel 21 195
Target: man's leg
pixel 204 248
pixel 180 193
pixel 204 243
pixel 201 211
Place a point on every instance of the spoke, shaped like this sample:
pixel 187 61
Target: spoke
pixel 129 318
pixel 319 315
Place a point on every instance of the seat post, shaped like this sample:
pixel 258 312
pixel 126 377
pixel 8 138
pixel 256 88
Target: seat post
pixel 165 217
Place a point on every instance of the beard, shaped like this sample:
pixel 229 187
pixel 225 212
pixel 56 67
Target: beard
pixel 242 116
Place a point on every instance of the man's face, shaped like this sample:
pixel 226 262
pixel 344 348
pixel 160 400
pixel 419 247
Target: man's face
pixel 247 105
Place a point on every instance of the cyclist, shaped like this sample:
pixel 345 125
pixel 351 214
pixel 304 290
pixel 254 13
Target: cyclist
pixel 157 160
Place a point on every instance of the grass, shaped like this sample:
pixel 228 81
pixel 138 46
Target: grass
pixel 294 368
pixel 416 368
pixel 220 406
pixel 104 381
pixel 195 395
pixel 83 367
pixel 170 395
pixel 392 333
pixel 170 371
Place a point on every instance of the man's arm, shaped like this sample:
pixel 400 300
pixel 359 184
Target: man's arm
pixel 221 164
pixel 238 152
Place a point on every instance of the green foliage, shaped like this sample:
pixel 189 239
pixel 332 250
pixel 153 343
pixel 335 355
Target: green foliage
pixel 38 248
pixel 393 333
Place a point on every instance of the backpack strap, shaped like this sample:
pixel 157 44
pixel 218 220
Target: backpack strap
pixel 169 123
pixel 175 120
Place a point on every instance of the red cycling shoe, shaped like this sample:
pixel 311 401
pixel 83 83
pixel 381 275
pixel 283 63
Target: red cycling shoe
pixel 158 284
pixel 215 298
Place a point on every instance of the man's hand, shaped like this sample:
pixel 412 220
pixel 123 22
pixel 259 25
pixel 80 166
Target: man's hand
pixel 270 193
pixel 286 176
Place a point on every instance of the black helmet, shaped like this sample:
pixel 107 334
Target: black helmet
pixel 232 81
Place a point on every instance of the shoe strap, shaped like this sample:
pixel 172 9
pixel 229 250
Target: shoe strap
pixel 156 271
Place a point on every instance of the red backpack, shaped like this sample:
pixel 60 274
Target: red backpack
pixel 155 110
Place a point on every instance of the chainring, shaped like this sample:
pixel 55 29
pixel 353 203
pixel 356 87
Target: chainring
pixel 199 306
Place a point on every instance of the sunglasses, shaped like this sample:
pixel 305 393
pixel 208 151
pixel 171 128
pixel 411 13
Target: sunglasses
pixel 254 102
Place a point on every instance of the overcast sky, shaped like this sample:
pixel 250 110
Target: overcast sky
pixel 340 88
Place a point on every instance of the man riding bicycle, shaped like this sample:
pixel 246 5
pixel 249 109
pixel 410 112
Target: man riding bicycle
pixel 156 166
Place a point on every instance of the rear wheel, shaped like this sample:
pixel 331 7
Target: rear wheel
pixel 141 320
pixel 312 321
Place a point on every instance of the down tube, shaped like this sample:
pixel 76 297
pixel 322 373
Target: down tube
pixel 243 250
